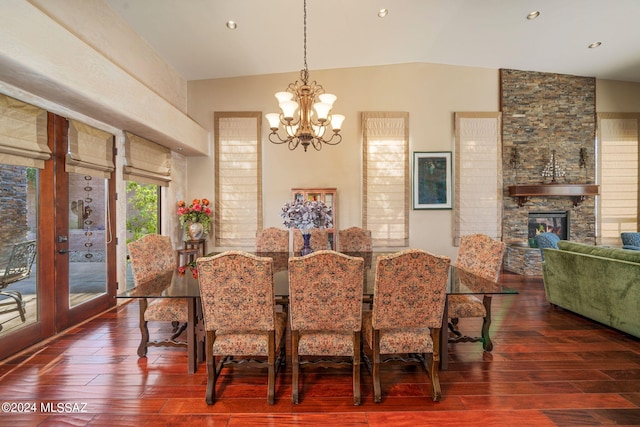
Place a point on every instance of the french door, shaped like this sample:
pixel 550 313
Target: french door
pixel 70 217
pixel 84 239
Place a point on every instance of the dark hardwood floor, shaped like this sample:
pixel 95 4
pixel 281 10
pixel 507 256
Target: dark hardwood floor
pixel 548 367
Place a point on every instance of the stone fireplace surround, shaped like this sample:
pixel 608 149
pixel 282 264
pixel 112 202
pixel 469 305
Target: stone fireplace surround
pixel 542 112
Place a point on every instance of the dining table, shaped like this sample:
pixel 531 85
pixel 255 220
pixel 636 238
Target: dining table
pixel 176 285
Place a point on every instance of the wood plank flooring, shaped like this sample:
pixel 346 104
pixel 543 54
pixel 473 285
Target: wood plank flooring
pixel 549 367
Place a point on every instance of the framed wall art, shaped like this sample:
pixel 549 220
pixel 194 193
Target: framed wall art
pixel 432 180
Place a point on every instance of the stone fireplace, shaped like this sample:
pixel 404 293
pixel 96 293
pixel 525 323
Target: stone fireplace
pixel 545 116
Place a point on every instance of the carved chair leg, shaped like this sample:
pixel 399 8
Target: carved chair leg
pixel 432 362
pixel 295 361
pixel 212 374
pixel 377 393
pixel 179 330
pixel 144 330
pixel 486 324
pixel 271 382
pixel 453 327
pixel 356 368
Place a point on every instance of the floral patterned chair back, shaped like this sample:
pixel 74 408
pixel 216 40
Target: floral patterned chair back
pixel 482 255
pixel 272 239
pixel 153 263
pixel 354 239
pixel 408 303
pixel 151 255
pixel 325 305
pixel 319 239
pixel 240 318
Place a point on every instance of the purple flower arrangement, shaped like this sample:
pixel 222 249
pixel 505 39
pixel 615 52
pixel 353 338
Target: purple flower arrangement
pixel 306 215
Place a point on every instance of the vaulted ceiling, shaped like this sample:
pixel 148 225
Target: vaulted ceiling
pixel 193 37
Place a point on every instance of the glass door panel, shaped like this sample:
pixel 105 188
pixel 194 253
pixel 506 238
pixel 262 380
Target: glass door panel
pixel 19 305
pixel 87 238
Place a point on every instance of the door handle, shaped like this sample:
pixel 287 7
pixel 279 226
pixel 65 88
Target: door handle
pixel 63 251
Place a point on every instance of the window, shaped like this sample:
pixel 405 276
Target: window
pixel 238 211
pixel 147 168
pixel 618 175
pixel 478 175
pixel 386 177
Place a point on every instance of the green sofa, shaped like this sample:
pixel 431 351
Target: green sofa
pixel 600 283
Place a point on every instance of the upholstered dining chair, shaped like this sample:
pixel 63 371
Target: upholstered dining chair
pixel 325 308
pixel 630 240
pixel 409 295
pixel 153 262
pixel 18 268
pixel 272 239
pixel 319 240
pixel 240 318
pixel 354 239
pixel 481 255
pixel 547 240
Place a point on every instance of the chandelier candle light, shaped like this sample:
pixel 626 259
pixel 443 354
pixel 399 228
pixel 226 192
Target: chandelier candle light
pixel 305 111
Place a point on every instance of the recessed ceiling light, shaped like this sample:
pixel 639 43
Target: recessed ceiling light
pixel 533 15
pixel 594 45
pixel 232 25
pixel 382 13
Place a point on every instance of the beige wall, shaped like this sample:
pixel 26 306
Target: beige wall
pixel 61 61
pixel 617 97
pixel 431 93
pixel 93 20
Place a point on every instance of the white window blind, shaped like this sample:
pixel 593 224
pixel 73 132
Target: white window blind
pixel 238 213
pixel 478 175
pixel 386 176
pixel 145 161
pixel 90 151
pixel 23 134
pixel 618 175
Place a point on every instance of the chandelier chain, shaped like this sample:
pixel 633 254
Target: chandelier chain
pixel 305 71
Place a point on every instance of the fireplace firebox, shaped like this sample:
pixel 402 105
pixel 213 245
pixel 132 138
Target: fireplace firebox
pixel 553 221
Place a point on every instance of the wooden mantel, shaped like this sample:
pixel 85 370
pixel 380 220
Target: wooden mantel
pixel 577 191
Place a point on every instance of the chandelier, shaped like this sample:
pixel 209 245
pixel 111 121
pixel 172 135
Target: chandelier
pixel 305 112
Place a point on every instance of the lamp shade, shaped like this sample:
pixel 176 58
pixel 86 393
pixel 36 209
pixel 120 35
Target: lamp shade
pixel 288 109
pixel 336 121
pixel 273 119
pixel 284 96
pixel 322 110
pixel 329 98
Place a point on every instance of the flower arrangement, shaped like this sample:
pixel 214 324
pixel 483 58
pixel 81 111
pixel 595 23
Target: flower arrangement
pixel 306 215
pixel 197 211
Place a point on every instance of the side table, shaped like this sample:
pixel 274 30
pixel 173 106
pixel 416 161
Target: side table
pixel 186 255
pixel 200 244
